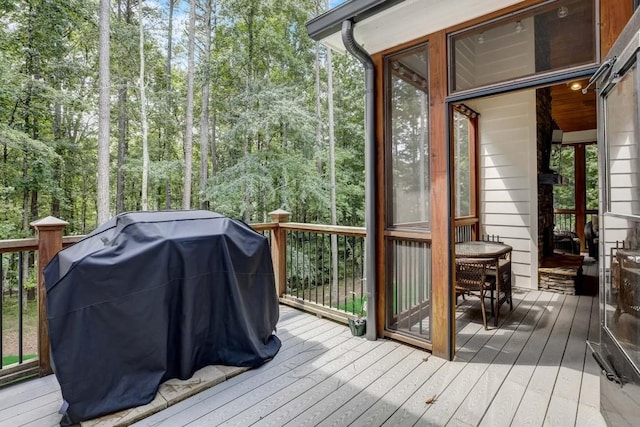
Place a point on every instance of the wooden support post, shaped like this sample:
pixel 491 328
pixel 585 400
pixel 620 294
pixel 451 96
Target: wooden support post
pixel 279 249
pixel 49 244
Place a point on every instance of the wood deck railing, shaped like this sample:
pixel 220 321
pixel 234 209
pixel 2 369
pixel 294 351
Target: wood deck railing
pixel 306 277
pixel 28 257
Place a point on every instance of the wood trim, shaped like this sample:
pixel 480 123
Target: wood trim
pixel 443 332
pixel 381 219
pixel 314 308
pixel 49 244
pixel 18 245
pixel 326 229
pixel 461 222
pixel 408 235
pixel 264 226
pixel 475 170
pixel 409 340
pixel 614 15
pixel 20 371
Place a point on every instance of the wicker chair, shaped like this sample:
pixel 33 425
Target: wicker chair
pixel 471 279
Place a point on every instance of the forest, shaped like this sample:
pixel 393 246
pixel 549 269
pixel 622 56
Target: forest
pixel 224 105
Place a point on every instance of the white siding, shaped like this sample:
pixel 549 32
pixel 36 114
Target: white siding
pixel 508 178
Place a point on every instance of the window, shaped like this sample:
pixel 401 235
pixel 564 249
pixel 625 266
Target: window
pixel 408 183
pixel 563 162
pixel 591 175
pixel 552 37
pixel 464 128
pixel 623 147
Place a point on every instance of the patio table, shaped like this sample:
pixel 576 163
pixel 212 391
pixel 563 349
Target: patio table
pixel 501 254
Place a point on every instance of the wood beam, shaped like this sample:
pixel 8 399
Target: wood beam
pixel 381 257
pixel 443 330
pixel 614 15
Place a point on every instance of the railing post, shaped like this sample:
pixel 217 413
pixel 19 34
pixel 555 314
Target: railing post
pixel 49 244
pixel 279 249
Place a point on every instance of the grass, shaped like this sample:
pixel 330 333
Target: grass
pixel 10 311
pixel 10 328
pixel 11 359
pixel 355 306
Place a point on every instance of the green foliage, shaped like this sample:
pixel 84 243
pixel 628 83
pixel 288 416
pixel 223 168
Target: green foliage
pixel 563 162
pixel 9 360
pixel 262 113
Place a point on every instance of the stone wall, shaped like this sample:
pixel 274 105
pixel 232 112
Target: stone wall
pixel 544 127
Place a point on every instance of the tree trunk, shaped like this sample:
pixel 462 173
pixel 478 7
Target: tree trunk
pixel 204 117
pixel 122 146
pixel 166 148
pixel 188 135
pixel 143 119
pixel 103 113
pixel 332 174
pixel 318 105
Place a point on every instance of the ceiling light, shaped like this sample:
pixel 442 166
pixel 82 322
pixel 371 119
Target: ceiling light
pixel 563 11
pixel 519 27
pixel 481 38
pixel 576 86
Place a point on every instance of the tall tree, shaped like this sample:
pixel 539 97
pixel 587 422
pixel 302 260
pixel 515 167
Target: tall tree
pixel 169 100
pixel 332 172
pixel 143 117
pixel 124 18
pixel 204 114
pixel 104 116
pixel 188 135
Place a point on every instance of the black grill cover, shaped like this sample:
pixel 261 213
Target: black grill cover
pixel 151 296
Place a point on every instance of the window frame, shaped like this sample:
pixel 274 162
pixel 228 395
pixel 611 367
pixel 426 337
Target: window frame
pixel 388 142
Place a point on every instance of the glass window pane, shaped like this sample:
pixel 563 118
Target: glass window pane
pixel 463 164
pixel 622 281
pixel 409 139
pixel 563 162
pixel 621 127
pixel 547 38
pixel 591 157
pixel 621 233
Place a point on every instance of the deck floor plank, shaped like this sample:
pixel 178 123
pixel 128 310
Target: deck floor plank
pixel 397 396
pixel 241 385
pixel 310 397
pixel 535 401
pixel 414 408
pixel 533 369
pixel 331 403
pixel 458 389
pixel 508 398
pixel 27 390
pixel 479 396
pixel 589 404
pixel 273 395
pixel 368 396
pixel 563 406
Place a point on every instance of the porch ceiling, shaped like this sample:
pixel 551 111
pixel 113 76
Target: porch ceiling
pixel 571 109
pixel 405 21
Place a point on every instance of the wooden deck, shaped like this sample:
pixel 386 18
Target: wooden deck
pixel 533 369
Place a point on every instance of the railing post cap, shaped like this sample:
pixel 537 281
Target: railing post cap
pixel 280 215
pixel 49 222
